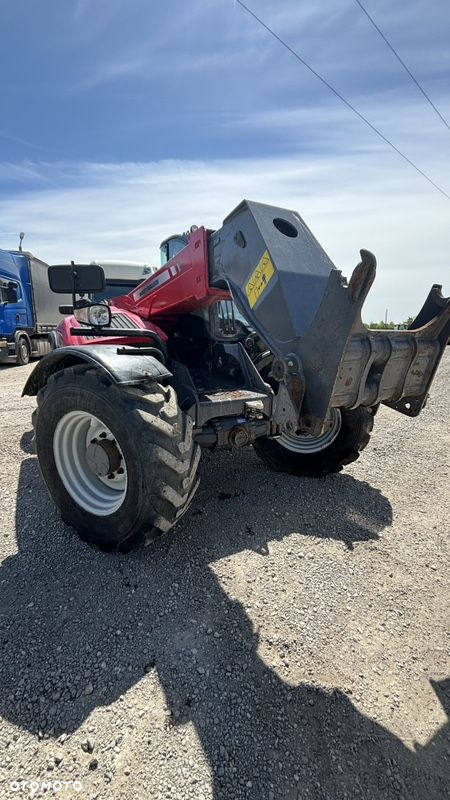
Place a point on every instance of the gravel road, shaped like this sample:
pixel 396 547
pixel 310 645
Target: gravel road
pixel 289 640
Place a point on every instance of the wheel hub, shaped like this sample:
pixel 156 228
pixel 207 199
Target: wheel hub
pixel 103 457
pixel 303 443
pixel 90 463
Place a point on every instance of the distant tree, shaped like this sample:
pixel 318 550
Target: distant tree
pixel 382 326
pixel 408 321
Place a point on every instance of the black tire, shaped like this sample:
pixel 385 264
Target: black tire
pixel 23 352
pixel 53 340
pixel 353 437
pixel 155 439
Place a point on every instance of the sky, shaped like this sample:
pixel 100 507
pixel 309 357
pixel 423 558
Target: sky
pixel 124 121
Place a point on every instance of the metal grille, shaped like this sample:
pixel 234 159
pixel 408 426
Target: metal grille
pixel 122 321
pixel 118 321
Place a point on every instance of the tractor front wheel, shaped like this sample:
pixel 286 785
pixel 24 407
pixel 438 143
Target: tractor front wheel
pixel 118 461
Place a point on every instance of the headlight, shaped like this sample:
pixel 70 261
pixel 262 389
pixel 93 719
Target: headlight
pixel 99 316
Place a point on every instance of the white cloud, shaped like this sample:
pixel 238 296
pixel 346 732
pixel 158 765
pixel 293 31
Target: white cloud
pixel 112 70
pixel 125 210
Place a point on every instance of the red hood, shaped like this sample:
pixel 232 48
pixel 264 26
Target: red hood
pixel 120 319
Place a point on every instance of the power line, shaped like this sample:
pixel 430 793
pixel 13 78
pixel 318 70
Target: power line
pixel 340 96
pixel 405 67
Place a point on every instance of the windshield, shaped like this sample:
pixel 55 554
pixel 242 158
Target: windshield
pixel 113 289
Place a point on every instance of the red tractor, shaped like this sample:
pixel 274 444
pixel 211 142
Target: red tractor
pixel 247 335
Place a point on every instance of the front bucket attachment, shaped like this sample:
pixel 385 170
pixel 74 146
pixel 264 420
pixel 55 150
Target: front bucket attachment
pixel 310 317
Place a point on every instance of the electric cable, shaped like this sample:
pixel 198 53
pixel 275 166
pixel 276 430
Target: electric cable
pixel 405 67
pixel 343 99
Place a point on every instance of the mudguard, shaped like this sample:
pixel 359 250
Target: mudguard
pixel 121 368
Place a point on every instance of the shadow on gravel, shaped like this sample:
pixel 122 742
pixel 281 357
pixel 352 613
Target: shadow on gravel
pixel 79 628
pixel 26 442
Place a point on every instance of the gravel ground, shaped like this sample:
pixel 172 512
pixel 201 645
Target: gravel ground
pixel 286 641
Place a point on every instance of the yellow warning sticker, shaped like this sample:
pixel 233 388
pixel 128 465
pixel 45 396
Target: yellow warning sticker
pixel 260 279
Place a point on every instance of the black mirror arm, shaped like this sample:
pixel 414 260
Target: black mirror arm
pixel 74 277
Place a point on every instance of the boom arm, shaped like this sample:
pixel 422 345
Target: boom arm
pixel 301 305
pixel 287 287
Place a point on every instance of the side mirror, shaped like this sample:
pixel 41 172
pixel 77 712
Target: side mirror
pixel 76 278
pixel 12 295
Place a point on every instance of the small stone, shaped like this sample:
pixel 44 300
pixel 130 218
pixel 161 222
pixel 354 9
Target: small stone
pixel 93 763
pixel 88 745
pixel 89 688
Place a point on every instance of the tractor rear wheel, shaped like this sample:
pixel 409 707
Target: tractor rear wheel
pixel 118 461
pixel 315 456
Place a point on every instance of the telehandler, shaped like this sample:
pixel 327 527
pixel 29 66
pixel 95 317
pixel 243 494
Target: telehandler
pixel 122 419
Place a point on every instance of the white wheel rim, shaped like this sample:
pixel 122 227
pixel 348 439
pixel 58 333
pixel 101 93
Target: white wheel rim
pixel 303 443
pixel 99 494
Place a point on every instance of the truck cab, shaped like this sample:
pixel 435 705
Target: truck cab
pixel 16 309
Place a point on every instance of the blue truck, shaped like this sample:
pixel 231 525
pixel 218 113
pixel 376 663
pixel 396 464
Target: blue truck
pixel 28 309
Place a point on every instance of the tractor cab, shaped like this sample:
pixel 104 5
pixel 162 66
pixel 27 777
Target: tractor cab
pixel 223 319
pixel 171 246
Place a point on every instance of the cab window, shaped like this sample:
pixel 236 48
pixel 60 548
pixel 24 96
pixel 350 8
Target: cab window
pixel 171 247
pixel 9 291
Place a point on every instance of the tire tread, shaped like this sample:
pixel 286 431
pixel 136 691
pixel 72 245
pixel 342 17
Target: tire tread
pixel 167 451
